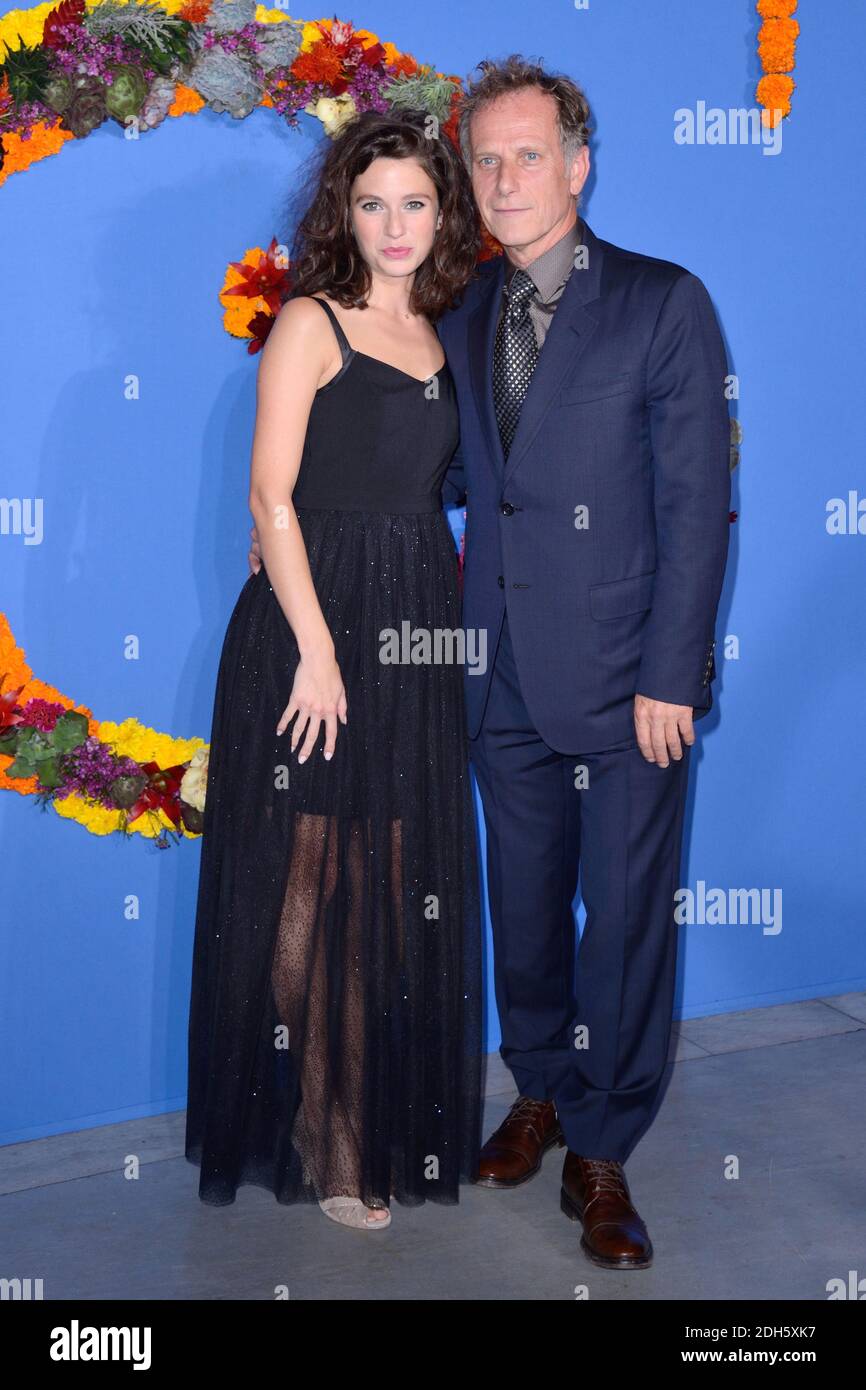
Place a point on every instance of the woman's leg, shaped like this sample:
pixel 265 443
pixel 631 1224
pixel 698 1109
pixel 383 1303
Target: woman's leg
pixel 317 976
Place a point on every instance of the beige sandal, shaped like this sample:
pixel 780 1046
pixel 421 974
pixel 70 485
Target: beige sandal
pixel 351 1211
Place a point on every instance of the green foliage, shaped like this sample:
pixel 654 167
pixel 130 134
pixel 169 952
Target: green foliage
pixel 162 39
pixel 38 754
pixel 423 91
pixel 28 70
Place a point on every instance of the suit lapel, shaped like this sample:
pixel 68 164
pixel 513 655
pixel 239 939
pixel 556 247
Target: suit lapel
pixel 481 335
pixel 568 336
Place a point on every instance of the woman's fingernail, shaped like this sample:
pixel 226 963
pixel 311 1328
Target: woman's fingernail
pixel 328 757
pixel 302 758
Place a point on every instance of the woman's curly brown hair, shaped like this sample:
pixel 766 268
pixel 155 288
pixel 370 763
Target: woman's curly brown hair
pixel 325 255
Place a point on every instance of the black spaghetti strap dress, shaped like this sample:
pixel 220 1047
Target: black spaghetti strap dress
pixel 335 1016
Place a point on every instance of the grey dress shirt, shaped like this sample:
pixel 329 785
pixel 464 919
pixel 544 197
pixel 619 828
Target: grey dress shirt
pixel 549 271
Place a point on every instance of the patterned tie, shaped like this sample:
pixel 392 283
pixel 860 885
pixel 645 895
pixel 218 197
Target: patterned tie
pixel 515 354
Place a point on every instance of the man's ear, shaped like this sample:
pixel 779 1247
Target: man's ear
pixel 580 166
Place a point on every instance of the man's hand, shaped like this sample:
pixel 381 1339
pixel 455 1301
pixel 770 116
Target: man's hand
pixel 659 728
pixel 255 555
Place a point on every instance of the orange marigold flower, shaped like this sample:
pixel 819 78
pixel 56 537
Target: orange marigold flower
pixel 776 41
pixel 404 65
pixel 322 64
pixel 774 93
pixel 775 9
pixel 776 57
pixel 196 11
pixel 15 673
pixel 25 786
pixel 395 61
pixel 19 154
pixel 490 247
pixel 186 101
pixel 451 126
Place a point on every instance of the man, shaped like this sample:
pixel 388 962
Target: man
pixel 594 466
pixel 594 461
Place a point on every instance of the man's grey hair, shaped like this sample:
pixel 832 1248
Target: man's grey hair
pixel 514 74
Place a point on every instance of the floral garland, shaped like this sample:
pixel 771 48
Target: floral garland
pixel 105 776
pixel 68 68
pixel 777 40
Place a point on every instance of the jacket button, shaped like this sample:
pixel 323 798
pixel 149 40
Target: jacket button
pixel 501 581
pixel 506 509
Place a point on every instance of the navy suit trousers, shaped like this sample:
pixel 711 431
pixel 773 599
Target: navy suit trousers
pixel 586 1025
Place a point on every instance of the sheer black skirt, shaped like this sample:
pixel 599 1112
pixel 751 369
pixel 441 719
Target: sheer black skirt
pixel 335 1019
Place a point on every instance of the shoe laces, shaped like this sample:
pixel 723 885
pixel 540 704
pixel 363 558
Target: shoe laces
pixel 525 1105
pixel 606 1175
pixel 527 1112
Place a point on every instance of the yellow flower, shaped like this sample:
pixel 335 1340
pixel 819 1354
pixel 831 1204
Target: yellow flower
pixel 171 6
pixel 134 740
pixel 311 34
pixel 151 823
pixel 97 819
pixel 28 23
pixel 266 16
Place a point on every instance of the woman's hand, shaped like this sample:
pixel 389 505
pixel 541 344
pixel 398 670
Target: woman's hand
pixel 317 693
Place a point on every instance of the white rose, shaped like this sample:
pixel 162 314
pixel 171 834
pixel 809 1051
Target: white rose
pixel 333 112
pixel 193 784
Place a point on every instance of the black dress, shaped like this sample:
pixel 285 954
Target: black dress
pixel 335 1019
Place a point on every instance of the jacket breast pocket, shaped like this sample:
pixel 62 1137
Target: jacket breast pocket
pixel 622 596
pixel 595 390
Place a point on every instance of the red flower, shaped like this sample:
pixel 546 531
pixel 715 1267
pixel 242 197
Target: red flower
pixel 373 55
pixel 335 57
pixel 67 12
pixel 260 326
pixel 266 280
pixel 162 792
pixel 9 713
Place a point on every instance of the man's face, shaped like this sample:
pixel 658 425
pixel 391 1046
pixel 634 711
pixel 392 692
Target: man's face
pixel 525 193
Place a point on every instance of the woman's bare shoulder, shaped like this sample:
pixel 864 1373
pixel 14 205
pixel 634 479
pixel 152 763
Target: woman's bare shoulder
pixel 302 312
pixel 301 331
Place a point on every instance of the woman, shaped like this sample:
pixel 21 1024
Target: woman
pixel 334 1038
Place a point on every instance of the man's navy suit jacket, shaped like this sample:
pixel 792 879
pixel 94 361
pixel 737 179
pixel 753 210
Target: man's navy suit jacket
pixel 605 534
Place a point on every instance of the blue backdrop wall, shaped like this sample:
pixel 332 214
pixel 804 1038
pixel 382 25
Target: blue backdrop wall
pixel 113 254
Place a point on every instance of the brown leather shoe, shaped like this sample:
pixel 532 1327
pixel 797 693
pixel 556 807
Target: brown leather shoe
pixel 513 1152
pixel 595 1191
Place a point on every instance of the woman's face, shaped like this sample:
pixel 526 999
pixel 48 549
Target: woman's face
pixel 394 210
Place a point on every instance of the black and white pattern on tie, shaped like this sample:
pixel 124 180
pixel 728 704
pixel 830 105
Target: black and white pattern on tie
pixel 515 354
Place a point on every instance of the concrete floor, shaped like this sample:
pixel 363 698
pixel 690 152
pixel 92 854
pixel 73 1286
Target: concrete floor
pixel 780 1088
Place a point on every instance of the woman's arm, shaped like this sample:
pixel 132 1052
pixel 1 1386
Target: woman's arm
pixel 298 352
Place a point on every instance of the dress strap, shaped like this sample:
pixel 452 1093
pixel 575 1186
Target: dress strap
pixel 345 348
